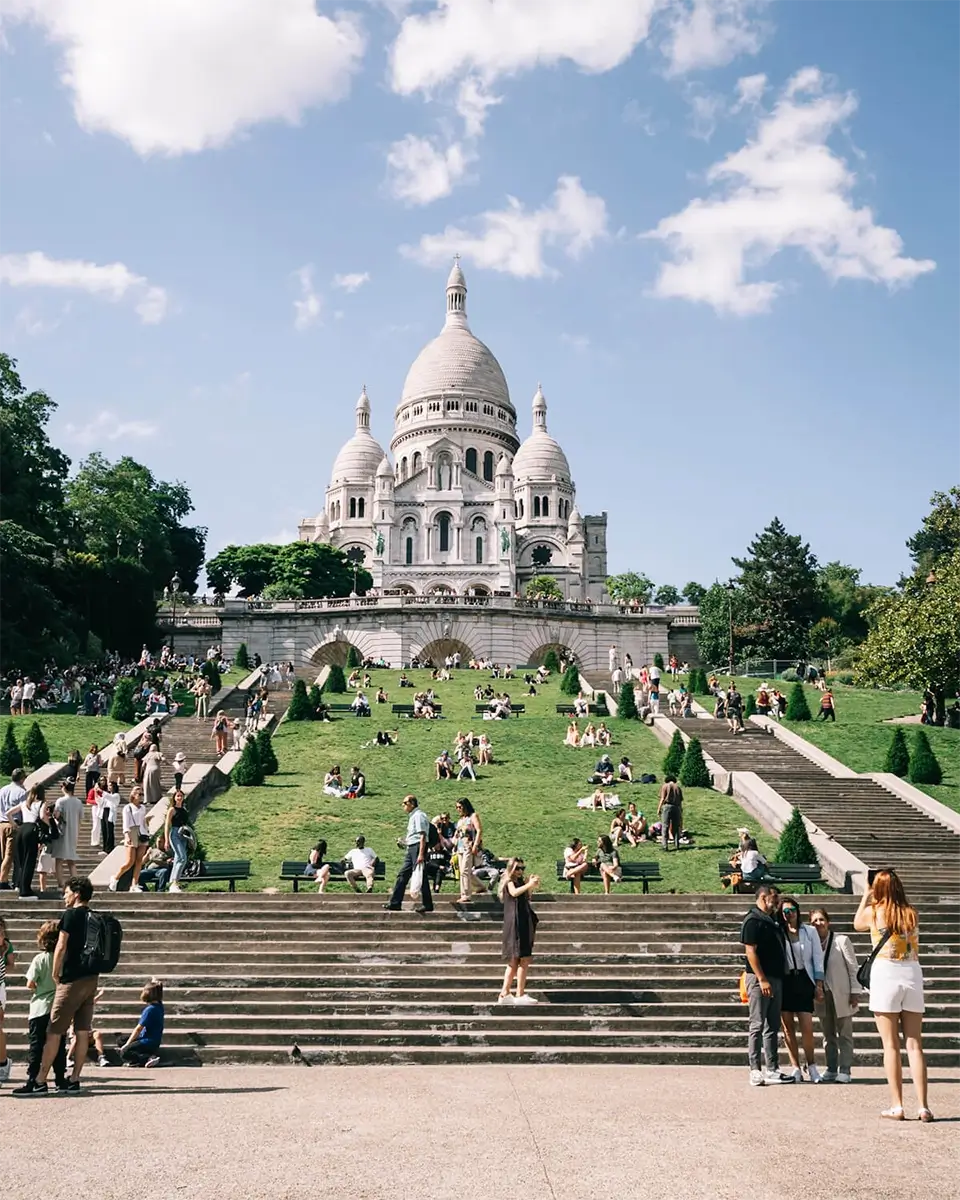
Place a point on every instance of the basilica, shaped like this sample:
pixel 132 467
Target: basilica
pixel 460 505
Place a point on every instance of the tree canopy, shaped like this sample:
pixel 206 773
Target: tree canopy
pixel 693 593
pixel 544 587
pixel 298 570
pixel 779 578
pixel 632 585
pixel 666 593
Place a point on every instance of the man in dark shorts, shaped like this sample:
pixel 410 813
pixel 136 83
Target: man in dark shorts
pixel 73 1000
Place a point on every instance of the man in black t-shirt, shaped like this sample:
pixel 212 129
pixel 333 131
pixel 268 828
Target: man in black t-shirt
pixel 763 943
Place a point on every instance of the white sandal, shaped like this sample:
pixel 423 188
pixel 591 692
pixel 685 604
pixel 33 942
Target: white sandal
pixel 925 1115
pixel 894 1114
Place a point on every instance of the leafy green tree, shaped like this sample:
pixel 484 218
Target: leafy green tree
pixel 897 761
pixel 673 759
pixel 924 767
pixel 797 707
pixel 693 593
pixel 825 638
pixel 122 706
pixel 242 657
pixel 693 771
pixel 299 708
pixel 252 568
pixel 551 662
pixel 779 578
pixel 266 752
pixel 315 696
pixel 845 600
pixel 713 636
pixel 939 535
pixel 658 660
pixel 631 585
pixel 336 682
pixel 35 751
pixel 310 570
pixel 353 657
pixel 795 845
pixel 627 706
pixel 570 683
pixel 10 756
pixel 544 587
pixel 249 770
pixel 666 594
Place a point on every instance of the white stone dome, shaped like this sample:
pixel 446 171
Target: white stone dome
pixel 540 456
pixel 456 361
pixel 360 457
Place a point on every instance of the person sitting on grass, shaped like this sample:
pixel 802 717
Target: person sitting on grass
pixel 443 764
pixel 589 736
pixel 603 772
pixel 466 765
pixel 358 785
pixel 637 822
pixel 382 696
pixel 404 681
pixel 604 736
pixel 478 692
pixel 333 783
pixel 607 862
pixel 575 864
pixel 384 738
pixel 485 748
pixel 573 735
pixel 619 832
pixel 422 707
pixel 141 1048
pixel 354 680
pixel 625 770
pixel 317 868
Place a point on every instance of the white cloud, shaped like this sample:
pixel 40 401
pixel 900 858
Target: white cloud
pixel 306 310
pixel 750 91
pixel 785 189
pixel 421 171
pixel 513 239
pixel 174 77
pixel 706 108
pixel 711 33
pixel 641 118
pixel 32 322
pixel 106 426
pixel 473 100
pixel 114 281
pixel 352 281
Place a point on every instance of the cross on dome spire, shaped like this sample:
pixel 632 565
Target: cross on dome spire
pixel 456 295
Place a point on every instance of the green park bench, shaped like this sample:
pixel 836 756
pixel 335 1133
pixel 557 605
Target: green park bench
pixel 294 872
pixel 222 872
pixel 598 708
pixel 406 710
pixel 633 872
pixel 342 708
pixel 515 709
pixel 778 873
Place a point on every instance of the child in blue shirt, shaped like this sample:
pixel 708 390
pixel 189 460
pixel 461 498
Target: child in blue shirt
pixel 142 1046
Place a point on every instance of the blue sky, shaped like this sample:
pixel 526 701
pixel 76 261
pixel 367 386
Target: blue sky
pixel 730 257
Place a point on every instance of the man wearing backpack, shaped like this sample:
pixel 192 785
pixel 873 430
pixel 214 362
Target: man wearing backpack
pixel 76 972
pixel 416 841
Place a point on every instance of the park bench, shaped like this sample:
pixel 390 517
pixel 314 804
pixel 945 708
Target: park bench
pixel 343 708
pixel 515 709
pixel 222 872
pixel 633 872
pixel 778 873
pixel 406 710
pixel 294 871
pixel 597 709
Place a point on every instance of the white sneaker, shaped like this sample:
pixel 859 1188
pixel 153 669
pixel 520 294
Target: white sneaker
pixel 756 1079
pixel 844 1077
pixel 508 999
pixel 5 1070
pixel 135 887
pixel 813 1073
pixel 828 1077
pixel 174 887
pixel 526 998
pixel 797 1075
pixel 112 885
pixel 772 1077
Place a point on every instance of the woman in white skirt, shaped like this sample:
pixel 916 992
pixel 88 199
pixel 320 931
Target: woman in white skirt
pixel 896 985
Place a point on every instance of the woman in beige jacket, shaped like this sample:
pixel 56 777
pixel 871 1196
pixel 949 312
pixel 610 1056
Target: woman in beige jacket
pixel 841 998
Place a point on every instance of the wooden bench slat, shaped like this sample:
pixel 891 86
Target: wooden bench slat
pixel 643 872
pixel 293 871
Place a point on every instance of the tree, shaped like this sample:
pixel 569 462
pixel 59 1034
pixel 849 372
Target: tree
pixel 693 593
pixel 250 567
pixel 825 640
pixel 353 657
pixel 658 660
pixel 298 570
pixel 897 761
pixel 795 845
pixel 570 683
pixel 544 587
pixel 915 635
pixel 335 680
pixel 299 708
pixel 122 707
pixel 939 535
pixel 266 752
pixel 315 697
pixel 924 767
pixel 779 579
pixel 750 707
pixel 693 770
pixel 697 683
pixel 249 770
pixel 242 657
pixel 10 756
pixel 713 636
pixel 632 585
pixel 666 594
pixel 551 662
pixel 846 600
pixel 35 752
pixel 212 675
pixel 797 707
pixel 627 706
pixel 673 759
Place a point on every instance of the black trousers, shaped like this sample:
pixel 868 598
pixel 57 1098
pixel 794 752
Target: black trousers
pixel 108 838
pixel 138 1054
pixel 25 852
pixel 396 900
pixel 827 714
pixel 37 1036
pixel 89 779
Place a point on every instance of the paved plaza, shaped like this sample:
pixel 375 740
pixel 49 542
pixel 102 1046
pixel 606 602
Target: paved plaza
pixel 534 1133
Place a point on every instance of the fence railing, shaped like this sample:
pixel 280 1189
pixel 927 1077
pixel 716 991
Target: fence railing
pixel 448 600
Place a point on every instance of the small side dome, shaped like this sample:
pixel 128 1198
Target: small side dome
pixel 360 457
pixel 385 471
pixel 540 458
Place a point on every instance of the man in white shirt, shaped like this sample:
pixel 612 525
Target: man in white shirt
pixel 360 862
pixel 29 692
pixel 415 841
pixel 10 796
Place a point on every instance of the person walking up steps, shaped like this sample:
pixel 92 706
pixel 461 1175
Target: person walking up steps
pixel 416 842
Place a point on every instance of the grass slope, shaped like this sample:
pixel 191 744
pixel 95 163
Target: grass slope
pixel 526 800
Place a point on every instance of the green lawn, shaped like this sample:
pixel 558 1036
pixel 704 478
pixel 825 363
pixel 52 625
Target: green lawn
pixel 860 737
pixel 527 800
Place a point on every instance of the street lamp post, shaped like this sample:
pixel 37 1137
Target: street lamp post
pixel 119 540
pixel 731 588
pixel 140 552
pixel 174 587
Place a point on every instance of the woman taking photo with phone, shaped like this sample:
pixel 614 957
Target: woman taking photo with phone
pixel 896 985
pixel 519 930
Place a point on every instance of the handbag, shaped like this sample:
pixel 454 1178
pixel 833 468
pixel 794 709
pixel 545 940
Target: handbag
pixel 863 975
pixel 416 881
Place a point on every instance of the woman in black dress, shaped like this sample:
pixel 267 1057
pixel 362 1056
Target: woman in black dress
pixel 519 930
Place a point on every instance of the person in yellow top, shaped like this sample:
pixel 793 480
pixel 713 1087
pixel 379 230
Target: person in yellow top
pixel 896 985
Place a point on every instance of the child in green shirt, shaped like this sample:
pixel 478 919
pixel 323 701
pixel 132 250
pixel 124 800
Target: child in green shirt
pixel 42 987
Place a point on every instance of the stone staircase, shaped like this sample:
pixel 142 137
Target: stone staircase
pixel 625 979
pixel 878 827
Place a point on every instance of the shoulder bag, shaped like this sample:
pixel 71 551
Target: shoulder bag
pixel 863 975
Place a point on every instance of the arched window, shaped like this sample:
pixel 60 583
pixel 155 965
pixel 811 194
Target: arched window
pixel 360 507
pixel 403 468
pixel 545 507
pixel 338 510
pixel 520 508
pixel 353 506
pixel 408 551
pixel 471 460
pixel 488 466
pixel 417 462
pixel 480 549
pixel 443 524
pixel 536 506
pixel 333 511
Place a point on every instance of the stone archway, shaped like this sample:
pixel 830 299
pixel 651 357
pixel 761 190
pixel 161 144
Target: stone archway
pixel 537 656
pixel 439 648
pixel 334 652
pixel 440 589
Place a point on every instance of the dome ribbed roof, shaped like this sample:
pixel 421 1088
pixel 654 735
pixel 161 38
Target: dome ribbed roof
pixel 360 457
pixel 540 456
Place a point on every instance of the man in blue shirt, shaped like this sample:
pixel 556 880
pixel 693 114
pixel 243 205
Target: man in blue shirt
pixel 415 842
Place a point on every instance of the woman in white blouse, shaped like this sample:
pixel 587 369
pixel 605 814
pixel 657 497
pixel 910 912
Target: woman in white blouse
pixel 136 837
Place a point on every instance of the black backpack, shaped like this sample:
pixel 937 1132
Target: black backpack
pixel 101 950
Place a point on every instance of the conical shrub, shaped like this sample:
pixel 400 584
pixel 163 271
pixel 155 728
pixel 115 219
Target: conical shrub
pixel 658 660
pixel 627 704
pixel 797 707
pixel 750 708
pixel 35 752
pixel 353 658
pixel 249 770
pixel 268 756
pixel 693 770
pixel 702 687
pixel 673 759
pixel 924 767
pixel 299 707
pixel 795 845
pixel 242 657
pixel 335 680
pixel 315 696
pixel 570 683
pixel 122 708
pixel 10 756
pixel 551 662
pixel 897 761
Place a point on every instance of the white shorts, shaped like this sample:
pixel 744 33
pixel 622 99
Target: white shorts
pixel 896 986
pixel 3 997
